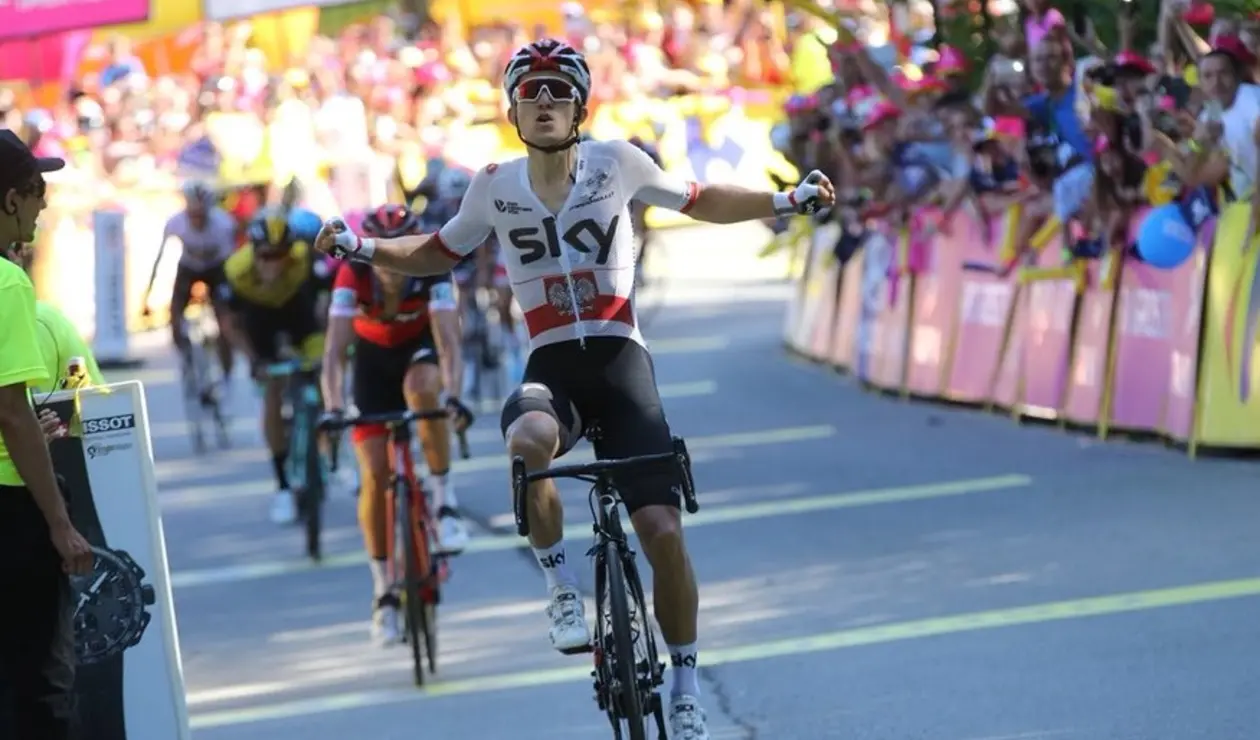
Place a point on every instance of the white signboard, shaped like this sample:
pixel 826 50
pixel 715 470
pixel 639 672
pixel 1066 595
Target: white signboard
pixel 107 465
pixel 109 340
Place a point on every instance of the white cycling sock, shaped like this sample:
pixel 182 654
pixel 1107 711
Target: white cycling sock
pixel 380 578
pixel 683 660
pixel 555 567
pixel 448 491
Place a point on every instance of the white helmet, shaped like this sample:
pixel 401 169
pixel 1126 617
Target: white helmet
pixel 548 55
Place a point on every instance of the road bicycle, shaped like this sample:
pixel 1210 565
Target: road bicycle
pixel 626 679
pixel 416 569
pixel 306 471
pixel 202 404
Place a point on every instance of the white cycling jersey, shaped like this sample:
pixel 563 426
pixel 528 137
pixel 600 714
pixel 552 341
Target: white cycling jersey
pixel 572 272
pixel 207 248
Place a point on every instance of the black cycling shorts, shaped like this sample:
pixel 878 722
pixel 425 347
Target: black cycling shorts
pixel 295 323
pixel 611 385
pixel 186 278
pixel 379 372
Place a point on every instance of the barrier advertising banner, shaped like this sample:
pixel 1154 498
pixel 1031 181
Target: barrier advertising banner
pixel 827 290
pixel 1143 336
pixel 1229 389
pixel 936 291
pixel 848 312
pixel 879 251
pixel 1187 314
pixel 28 18
pixel 1087 382
pixel 1046 331
pixel 1006 384
pixel 984 303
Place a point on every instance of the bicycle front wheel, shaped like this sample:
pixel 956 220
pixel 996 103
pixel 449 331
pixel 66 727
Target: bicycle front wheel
pixel 413 580
pixel 626 692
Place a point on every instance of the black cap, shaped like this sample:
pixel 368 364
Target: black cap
pixel 18 164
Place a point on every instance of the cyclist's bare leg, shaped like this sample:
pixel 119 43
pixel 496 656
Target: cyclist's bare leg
pixel 676 596
pixel 224 342
pixel 422 387
pixel 373 456
pixel 179 303
pixel 274 431
pixel 535 437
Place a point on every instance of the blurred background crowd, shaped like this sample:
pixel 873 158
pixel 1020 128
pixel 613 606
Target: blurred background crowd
pixel 1078 112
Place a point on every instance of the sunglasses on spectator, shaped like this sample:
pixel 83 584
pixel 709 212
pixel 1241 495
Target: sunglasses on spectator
pixel 558 89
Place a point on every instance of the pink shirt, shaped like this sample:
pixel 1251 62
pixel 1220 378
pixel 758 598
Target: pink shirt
pixel 1035 29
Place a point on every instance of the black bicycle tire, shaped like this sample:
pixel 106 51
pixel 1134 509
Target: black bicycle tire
pixel 429 614
pixel 627 673
pixel 412 609
pixel 313 489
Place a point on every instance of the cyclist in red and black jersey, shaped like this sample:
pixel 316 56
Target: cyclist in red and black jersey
pixel 406 337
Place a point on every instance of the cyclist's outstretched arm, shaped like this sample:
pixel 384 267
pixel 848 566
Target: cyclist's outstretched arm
pixel 422 255
pixel 166 235
pixel 343 305
pixel 716 203
pixel 446 332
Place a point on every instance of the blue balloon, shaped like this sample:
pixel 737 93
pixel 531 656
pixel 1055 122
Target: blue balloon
pixel 1165 240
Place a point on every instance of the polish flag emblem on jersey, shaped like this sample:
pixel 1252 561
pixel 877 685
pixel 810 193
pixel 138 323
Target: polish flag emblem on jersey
pixel 592 304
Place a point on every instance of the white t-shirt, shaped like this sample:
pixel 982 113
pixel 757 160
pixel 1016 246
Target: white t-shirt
pixel 1239 123
pixel 571 272
pixel 208 247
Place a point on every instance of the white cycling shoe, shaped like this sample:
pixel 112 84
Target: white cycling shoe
pixel 452 532
pixel 687 719
pixel 283 508
pixel 386 625
pixel 567 613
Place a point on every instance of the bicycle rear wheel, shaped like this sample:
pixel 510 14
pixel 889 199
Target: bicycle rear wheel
pixel 413 603
pixel 625 692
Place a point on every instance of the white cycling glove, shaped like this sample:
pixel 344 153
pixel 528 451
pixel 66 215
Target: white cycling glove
pixel 804 199
pixel 348 245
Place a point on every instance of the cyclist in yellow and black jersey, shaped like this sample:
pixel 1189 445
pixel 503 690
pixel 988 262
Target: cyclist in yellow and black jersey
pixel 276 290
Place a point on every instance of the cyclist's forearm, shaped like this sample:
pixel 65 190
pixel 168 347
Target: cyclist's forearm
pixel 421 255
pixel 237 337
pixel 727 204
pixel 450 354
pixel 334 383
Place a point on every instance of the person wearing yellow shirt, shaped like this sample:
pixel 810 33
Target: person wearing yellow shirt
pixel 38 544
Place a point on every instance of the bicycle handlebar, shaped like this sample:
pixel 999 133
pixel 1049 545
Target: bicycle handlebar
pixel 603 467
pixel 393 418
pixel 600 470
pixel 287 368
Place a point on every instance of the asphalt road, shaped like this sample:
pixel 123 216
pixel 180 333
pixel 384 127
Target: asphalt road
pixel 870 569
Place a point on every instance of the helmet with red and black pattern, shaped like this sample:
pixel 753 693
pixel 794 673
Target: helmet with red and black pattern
pixel 548 55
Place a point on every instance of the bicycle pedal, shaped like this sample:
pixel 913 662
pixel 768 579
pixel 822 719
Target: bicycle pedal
pixel 583 650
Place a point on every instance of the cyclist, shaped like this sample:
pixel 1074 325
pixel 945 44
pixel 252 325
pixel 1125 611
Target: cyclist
pixel 405 333
pixel 208 236
pixel 276 291
pixel 561 213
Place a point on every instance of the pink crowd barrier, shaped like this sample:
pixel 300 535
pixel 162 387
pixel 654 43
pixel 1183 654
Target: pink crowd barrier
pixel 928 311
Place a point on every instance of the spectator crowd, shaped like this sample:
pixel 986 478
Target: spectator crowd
pixel 1080 132
pixel 388 88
